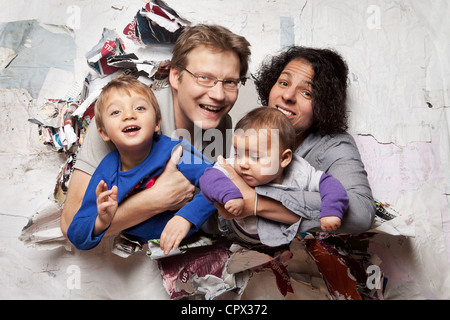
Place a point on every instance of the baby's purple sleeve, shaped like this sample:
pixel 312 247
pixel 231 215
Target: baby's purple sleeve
pixel 334 197
pixel 217 187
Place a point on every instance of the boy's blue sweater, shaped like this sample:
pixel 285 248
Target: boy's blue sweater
pixel 192 165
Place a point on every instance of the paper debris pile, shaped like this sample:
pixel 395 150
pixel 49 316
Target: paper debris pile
pixel 206 267
pixel 219 269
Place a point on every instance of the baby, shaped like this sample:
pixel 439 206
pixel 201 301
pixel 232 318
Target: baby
pixel 263 142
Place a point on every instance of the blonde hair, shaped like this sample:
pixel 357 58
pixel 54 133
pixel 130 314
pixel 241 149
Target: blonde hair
pixel 127 83
pixel 214 37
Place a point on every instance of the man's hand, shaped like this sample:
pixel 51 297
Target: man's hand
pixel 173 185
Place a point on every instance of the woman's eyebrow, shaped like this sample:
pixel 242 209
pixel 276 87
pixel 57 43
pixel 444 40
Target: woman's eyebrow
pixel 287 73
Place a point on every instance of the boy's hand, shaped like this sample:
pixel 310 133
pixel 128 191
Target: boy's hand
pixel 106 206
pixel 330 223
pixel 235 206
pixel 174 232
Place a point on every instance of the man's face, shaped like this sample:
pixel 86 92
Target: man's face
pixel 204 106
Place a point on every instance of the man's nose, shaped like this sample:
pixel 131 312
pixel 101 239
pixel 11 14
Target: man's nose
pixel 217 92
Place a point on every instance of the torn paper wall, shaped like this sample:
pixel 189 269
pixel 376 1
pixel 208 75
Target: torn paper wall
pixel 37 50
pixel 397 53
pixel 376 66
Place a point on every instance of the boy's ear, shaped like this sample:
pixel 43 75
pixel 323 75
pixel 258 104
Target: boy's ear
pixel 286 158
pixel 103 134
pixel 158 125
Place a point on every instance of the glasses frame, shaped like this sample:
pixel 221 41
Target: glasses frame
pixel 215 80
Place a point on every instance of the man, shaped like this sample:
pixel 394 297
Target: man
pixel 207 66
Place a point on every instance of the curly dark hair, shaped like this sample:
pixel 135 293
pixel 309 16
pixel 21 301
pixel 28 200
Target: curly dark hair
pixel 329 84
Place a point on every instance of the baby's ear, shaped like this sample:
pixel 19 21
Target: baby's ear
pixel 286 158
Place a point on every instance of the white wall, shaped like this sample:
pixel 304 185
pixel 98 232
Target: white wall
pixel 397 52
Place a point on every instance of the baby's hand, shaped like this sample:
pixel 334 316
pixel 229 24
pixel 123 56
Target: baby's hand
pixel 174 232
pixel 330 223
pixel 235 206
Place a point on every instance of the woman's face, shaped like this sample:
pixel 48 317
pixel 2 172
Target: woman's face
pixel 292 94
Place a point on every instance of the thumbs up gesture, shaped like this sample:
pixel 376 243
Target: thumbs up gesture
pixel 177 190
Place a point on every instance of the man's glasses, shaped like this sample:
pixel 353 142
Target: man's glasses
pixel 207 81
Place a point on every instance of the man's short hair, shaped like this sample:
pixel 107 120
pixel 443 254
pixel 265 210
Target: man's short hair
pixel 214 37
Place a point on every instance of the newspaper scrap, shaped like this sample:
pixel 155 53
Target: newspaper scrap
pixel 43 231
pixel 109 45
pixel 199 272
pixel 390 221
pixel 246 259
pixel 58 127
pixel 346 256
pixel 125 247
pixel 385 212
pixel 155 23
pixel 154 250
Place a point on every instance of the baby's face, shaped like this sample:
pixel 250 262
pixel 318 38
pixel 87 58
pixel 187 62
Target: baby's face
pixel 258 158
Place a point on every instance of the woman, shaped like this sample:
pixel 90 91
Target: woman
pixel 310 86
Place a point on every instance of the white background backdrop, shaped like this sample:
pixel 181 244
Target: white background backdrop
pixel 398 56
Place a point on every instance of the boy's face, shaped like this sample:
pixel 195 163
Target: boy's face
pixel 129 121
pixel 204 106
pixel 258 158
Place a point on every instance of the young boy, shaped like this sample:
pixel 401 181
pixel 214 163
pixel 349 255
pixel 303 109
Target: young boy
pixel 263 142
pixel 127 114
